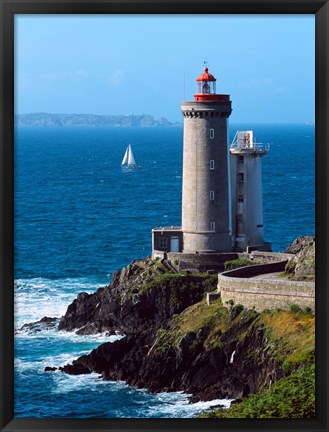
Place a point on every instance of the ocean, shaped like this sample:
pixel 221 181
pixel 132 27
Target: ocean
pixel 79 217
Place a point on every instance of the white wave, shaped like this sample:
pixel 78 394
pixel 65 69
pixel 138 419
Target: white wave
pixel 168 405
pixel 69 336
pixel 39 297
pixel 98 337
pixel 64 383
pixel 177 405
pixel 23 365
pixel 54 348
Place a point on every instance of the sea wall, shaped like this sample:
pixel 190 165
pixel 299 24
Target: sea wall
pixel 265 291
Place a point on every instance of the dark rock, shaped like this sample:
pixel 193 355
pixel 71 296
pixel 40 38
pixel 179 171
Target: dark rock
pixel 300 243
pixel 126 306
pixel 75 369
pixel 236 401
pixel 50 369
pixel 203 333
pixel 112 333
pixel 90 328
pixel 45 323
pixel 302 264
pixel 235 311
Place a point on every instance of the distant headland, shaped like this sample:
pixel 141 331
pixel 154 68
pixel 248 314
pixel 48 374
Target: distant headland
pixel 89 120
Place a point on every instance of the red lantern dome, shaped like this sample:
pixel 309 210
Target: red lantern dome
pixel 205 76
pixel 206 88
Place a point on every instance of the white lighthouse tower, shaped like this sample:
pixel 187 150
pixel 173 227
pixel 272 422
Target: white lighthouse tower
pixel 206 201
pixel 247 202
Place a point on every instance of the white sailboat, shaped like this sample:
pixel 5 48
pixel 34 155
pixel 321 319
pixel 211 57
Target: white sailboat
pixel 128 160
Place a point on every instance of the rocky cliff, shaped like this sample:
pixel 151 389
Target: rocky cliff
pixel 175 341
pixel 302 264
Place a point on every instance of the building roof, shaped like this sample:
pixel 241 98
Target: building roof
pixel 206 76
pixel 168 228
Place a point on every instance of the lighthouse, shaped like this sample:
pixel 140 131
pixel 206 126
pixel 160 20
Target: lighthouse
pixel 222 212
pixel 206 196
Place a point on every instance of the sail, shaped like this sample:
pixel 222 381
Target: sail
pixel 125 157
pixel 128 159
pixel 131 159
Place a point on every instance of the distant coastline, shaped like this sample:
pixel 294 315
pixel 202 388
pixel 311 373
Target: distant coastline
pixel 90 120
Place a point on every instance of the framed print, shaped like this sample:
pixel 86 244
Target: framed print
pixel 163 185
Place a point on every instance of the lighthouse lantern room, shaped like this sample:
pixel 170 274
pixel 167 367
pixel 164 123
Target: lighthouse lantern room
pixel 206 88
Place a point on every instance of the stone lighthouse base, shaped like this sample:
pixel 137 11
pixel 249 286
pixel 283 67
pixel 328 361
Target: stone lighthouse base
pixel 196 262
pixel 167 244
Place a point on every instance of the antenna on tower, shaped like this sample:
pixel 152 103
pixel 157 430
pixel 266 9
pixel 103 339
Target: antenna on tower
pixel 205 63
pixel 184 87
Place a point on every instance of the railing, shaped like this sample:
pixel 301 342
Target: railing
pixel 253 147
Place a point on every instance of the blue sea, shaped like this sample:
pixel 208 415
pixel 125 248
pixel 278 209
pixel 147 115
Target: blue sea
pixel 79 217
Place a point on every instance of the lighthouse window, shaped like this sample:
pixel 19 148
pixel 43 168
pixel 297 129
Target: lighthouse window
pixel 212 164
pixel 212 195
pixel 162 243
pixel 212 133
pixel 240 218
pixel 241 159
pixel 240 177
pixel 212 226
pixel 240 199
pixel 205 88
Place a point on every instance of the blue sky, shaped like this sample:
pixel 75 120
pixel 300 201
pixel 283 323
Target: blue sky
pixel 122 64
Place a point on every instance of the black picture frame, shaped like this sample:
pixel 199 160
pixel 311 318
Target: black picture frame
pixel 8 9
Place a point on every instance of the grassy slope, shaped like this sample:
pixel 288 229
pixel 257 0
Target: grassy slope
pixel 292 339
pixel 290 397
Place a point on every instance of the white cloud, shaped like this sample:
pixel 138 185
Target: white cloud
pixel 115 78
pixel 82 73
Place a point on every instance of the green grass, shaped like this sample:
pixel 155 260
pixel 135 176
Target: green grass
pixel 215 317
pixel 234 264
pixel 290 397
pixel 202 281
pixel 294 336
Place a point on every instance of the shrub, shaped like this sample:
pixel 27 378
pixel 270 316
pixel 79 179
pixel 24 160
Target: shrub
pixel 294 308
pixel 287 366
pixel 230 302
pixel 217 344
pixel 290 397
pixel 210 282
pixel 234 264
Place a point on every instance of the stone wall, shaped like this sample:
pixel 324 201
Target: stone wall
pixel 266 292
pixel 255 270
pixel 202 262
pixel 159 254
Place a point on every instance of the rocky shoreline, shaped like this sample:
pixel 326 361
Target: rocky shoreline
pixel 174 341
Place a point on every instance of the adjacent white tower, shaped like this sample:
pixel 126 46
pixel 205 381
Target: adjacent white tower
pixel 206 206
pixel 247 203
